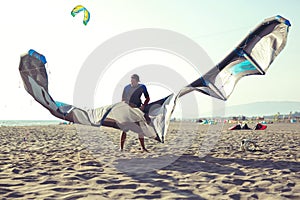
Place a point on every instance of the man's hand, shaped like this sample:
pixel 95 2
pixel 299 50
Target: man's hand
pixel 145 150
pixel 142 107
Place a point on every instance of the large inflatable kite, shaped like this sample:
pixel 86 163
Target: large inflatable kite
pixel 253 56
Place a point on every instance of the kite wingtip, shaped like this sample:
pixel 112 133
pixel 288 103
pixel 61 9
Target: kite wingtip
pixel 282 19
pixel 287 22
pixel 37 55
pixel 23 54
pixel 157 138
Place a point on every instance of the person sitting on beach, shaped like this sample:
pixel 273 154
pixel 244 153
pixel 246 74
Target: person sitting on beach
pixel 132 96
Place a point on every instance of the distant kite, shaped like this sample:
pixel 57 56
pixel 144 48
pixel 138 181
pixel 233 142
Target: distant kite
pixel 80 8
pixel 253 56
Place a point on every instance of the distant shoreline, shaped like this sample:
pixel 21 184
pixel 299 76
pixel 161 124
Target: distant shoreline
pixel 29 122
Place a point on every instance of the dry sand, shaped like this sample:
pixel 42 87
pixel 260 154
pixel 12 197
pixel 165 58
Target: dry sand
pixel 196 162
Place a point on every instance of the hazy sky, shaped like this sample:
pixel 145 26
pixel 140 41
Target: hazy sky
pixel 217 26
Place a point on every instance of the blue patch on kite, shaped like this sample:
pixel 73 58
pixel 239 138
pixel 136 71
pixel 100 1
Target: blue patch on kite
pixel 286 22
pixel 239 52
pixel 204 83
pixel 59 104
pixel 278 17
pixel 242 67
pixel 38 56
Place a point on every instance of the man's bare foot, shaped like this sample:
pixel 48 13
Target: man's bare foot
pixel 145 150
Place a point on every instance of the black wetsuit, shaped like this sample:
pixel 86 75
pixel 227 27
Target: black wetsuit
pixel 132 95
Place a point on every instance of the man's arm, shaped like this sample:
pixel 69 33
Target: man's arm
pixel 147 97
pixel 124 94
pixel 146 101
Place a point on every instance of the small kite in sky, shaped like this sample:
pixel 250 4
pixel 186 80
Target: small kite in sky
pixel 86 15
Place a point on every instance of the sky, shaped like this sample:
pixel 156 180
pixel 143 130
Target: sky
pixel 217 26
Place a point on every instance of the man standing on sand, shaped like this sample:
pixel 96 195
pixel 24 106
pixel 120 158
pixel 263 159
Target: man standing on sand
pixel 132 96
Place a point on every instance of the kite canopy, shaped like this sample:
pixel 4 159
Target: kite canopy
pixel 86 15
pixel 253 56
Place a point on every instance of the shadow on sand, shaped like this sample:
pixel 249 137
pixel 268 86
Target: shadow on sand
pixel 188 164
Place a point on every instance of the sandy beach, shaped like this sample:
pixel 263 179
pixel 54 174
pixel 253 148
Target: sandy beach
pixel 196 162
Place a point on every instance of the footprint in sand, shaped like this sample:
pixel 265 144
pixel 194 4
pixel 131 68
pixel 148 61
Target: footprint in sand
pixel 61 189
pixel 126 186
pixel 4 191
pixel 15 195
pixel 49 182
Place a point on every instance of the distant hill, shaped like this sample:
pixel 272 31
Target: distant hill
pixel 263 108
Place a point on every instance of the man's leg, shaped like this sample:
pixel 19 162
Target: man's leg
pixel 123 138
pixel 142 142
